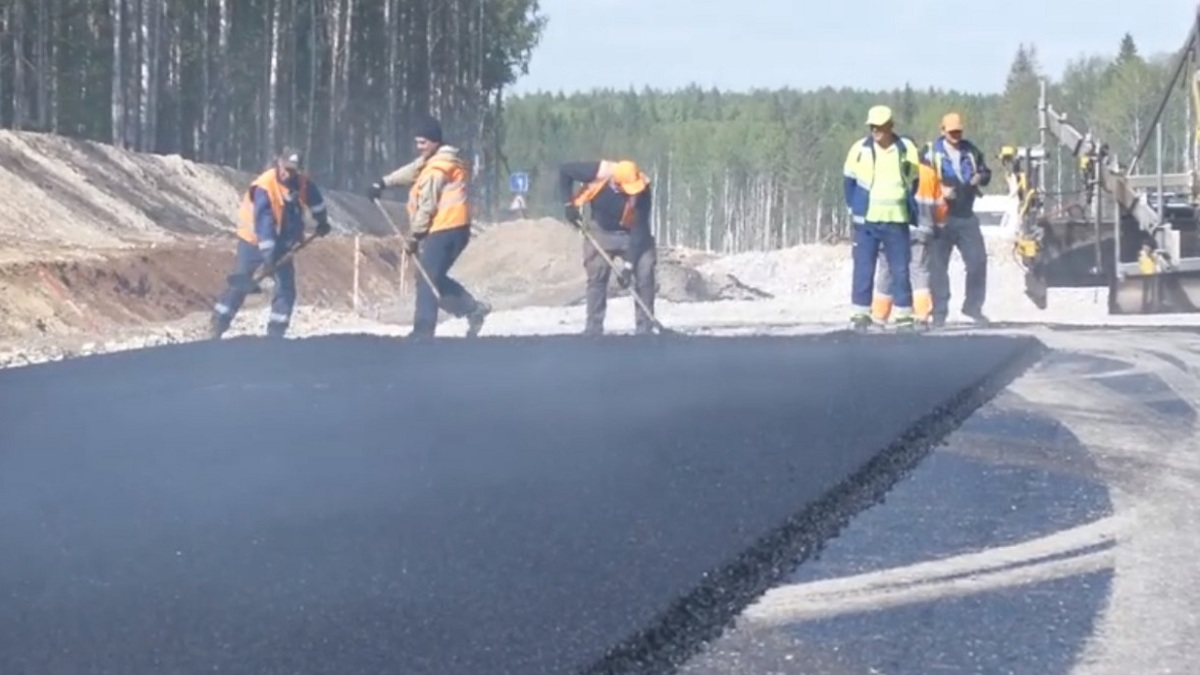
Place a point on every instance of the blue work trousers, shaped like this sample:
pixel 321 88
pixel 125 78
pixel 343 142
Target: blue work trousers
pixel 893 239
pixel 283 301
pixel 437 253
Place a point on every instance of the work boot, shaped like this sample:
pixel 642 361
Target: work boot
pixel 217 326
pixel 978 319
pixel 937 322
pixel 276 329
pixel 476 318
pixel 905 324
pixel 860 323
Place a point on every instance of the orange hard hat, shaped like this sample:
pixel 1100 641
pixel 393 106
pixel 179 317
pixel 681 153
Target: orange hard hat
pixel 952 122
pixel 629 177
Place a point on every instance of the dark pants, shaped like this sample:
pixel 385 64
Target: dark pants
pixel 965 235
pixel 437 254
pixel 641 254
pixel 893 238
pixel 248 260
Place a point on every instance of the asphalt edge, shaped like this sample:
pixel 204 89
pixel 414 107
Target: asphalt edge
pixel 704 614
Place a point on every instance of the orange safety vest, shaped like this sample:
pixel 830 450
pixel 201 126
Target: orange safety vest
pixel 932 206
pixel 269 183
pixel 589 192
pixel 452 208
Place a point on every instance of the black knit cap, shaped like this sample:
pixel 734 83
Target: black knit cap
pixel 429 129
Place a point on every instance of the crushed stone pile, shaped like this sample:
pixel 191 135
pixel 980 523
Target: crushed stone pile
pixel 819 277
pixel 524 263
pixel 797 271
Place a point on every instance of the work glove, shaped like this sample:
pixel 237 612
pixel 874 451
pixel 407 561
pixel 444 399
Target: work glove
pixel 375 191
pixel 625 273
pixel 323 228
pixel 412 245
pixel 573 216
pixel 922 233
pixel 976 180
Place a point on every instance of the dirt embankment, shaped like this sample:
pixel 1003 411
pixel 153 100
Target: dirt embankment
pixel 97 240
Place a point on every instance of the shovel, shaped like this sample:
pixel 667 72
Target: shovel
pixel 662 330
pixel 408 256
pixel 253 284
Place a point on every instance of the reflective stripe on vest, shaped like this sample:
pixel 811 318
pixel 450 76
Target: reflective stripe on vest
pixel 268 182
pixel 452 209
pixel 906 173
pixel 939 157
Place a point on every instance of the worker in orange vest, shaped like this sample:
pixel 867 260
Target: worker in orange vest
pixel 931 215
pixel 439 217
pixel 271 222
pixel 619 197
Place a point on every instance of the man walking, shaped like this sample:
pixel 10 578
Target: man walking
pixel 962 171
pixel 619 195
pixel 880 185
pixel 931 212
pixel 439 217
pixel 270 223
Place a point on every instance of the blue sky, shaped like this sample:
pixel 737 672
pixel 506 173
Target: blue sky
pixel 800 43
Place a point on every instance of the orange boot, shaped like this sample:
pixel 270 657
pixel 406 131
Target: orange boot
pixel 881 307
pixel 922 306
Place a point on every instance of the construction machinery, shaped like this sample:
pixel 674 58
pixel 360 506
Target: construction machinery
pixel 1135 234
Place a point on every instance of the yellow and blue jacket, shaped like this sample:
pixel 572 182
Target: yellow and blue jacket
pixel 859 177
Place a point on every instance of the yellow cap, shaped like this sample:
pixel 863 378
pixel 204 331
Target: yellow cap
pixel 952 122
pixel 629 177
pixel 879 116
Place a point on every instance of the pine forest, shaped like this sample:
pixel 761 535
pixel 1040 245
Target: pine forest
pixel 345 81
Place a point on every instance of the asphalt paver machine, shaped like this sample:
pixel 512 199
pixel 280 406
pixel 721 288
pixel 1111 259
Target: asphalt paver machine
pixel 1135 234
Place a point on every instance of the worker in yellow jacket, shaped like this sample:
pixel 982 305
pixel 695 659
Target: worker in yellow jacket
pixel 880 185
pixel 439 216
pixel 931 215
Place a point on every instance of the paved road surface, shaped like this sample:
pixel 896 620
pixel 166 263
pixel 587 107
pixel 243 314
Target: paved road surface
pixel 351 505
pixel 1052 534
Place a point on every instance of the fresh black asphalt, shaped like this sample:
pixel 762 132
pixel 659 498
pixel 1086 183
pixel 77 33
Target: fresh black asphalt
pixel 353 504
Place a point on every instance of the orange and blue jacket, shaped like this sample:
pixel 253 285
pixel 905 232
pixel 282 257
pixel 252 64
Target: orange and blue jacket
pixel 971 162
pixel 611 210
pixel 272 210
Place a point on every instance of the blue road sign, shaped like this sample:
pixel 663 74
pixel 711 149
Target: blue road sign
pixel 518 182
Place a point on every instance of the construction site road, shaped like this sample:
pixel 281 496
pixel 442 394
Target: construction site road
pixel 355 504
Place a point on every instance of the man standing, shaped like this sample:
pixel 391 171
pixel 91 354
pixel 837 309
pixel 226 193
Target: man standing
pixel 619 195
pixel 270 223
pixel 962 171
pixel 880 184
pixel 439 218
pixel 931 212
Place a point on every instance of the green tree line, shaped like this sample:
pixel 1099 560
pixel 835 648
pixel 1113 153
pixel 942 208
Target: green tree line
pixel 760 170
pixel 231 81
